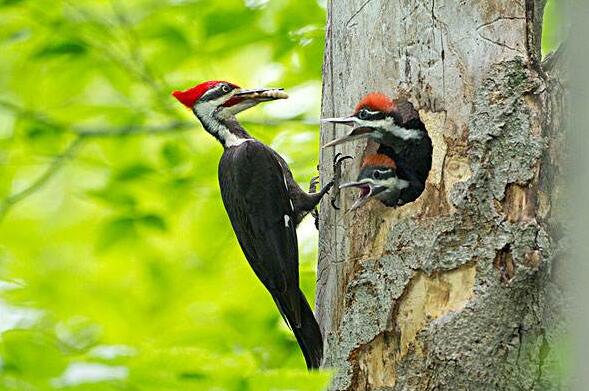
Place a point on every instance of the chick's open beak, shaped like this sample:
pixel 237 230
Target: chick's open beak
pixel 368 189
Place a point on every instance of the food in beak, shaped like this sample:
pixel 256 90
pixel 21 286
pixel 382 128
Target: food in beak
pixel 262 94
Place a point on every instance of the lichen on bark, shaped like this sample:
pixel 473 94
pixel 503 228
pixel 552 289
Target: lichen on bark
pixel 453 291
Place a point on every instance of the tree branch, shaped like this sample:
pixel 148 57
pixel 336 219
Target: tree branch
pixel 37 184
pixel 83 134
pixel 131 130
pixel 30 114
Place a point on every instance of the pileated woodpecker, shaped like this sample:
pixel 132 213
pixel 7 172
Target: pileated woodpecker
pixel 396 125
pixel 378 178
pixel 263 202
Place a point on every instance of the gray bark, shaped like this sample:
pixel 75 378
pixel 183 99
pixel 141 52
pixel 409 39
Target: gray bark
pixel 458 290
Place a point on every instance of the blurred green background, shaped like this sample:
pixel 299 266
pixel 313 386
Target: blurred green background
pixel 118 267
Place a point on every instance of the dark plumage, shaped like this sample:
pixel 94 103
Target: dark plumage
pixel 264 222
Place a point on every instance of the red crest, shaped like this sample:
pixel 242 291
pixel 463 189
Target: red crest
pixel 379 160
pixel 376 101
pixel 189 97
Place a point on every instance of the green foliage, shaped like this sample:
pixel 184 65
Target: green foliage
pixel 118 265
pixel 554 27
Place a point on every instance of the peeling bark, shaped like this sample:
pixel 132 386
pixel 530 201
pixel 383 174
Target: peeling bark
pixel 453 291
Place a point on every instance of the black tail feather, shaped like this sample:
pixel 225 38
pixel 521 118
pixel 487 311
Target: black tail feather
pixel 307 333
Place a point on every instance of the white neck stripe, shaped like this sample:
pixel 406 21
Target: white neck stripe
pixel 206 114
pixel 388 125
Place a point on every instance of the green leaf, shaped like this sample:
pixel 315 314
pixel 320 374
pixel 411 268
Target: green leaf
pixel 9 2
pixel 116 231
pixel 114 196
pixel 153 221
pixel 32 354
pixel 37 131
pixel 172 154
pixel 71 48
pixel 133 172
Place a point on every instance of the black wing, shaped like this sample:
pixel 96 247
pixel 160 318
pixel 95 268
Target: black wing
pixel 256 198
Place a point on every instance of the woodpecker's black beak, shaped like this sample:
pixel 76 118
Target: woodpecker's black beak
pixel 368 189
pixel 349 121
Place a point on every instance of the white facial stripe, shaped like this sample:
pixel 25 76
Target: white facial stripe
pixel 366 181
pixel 206 109
pixel 286 220
pixel 396 183
pixel 213 104
pixel 370 112
pixel 205 112
pixel 232 140
pixel 406 134
pixel 212 91
pixel 384 123
pixel 389 125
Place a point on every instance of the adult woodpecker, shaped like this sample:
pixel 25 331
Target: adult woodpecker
pixel 263 202
pixel 396 125
pixel 378 178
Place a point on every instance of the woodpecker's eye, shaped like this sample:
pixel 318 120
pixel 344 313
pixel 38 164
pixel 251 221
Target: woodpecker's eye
pixel 363 114
pixel 376 174
pixel 225 88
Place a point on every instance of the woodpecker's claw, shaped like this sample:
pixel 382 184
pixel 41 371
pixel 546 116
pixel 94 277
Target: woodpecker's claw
pixel 338 160
pixel 333 205
pixel 315 214
pixel 313 184
pixel 312 190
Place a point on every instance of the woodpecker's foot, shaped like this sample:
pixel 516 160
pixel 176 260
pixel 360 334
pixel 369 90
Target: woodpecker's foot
pixel 315 214
pixel 313 184
pixel 338 160
pixel 313 190
pixel 333 201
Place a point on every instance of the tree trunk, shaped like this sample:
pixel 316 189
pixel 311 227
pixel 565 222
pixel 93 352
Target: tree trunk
pixel 457 290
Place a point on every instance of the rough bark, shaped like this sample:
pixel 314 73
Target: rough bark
pixel 458 290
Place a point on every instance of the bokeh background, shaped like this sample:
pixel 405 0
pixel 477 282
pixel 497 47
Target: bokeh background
pixel 118 267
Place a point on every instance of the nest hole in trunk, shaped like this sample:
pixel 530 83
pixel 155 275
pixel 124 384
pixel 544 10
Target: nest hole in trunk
pixel 412 159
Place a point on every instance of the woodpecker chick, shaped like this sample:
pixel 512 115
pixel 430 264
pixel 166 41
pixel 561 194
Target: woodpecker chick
pixel 262 200
pixel 378 179
pixel 394 124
